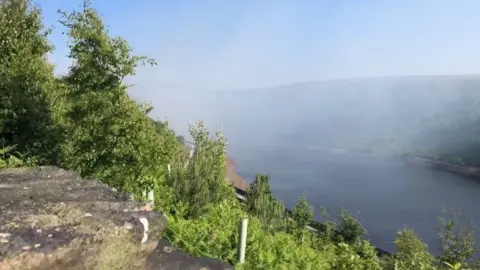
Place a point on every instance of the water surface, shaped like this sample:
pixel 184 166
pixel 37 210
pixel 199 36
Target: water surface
pixel 386 193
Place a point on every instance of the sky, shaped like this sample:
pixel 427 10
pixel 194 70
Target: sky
pixel 225 45
pixel 216 44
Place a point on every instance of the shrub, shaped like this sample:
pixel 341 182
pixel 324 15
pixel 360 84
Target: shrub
pixel 412 253
pixel 457 241
pixel 263 205
pixel 11 159
pixel 26 81
pixel 200 181
pixel 350 229
pixel 110 136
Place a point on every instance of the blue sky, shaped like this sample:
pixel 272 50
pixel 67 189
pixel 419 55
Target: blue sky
pixel 217 44
pixel 227 44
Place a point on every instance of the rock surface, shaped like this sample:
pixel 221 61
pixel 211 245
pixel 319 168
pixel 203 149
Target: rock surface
pixel 165 257
pixel 52 219
pixel 236 180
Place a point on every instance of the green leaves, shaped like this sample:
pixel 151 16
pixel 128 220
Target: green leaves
pixel 110 135
pixel 13 159
pixel 302 213
pixel 457 241
pixel 412 253
pixel 200 181
pixel 102 61
pixel 27 83
pixel 262 204
pixel 350 229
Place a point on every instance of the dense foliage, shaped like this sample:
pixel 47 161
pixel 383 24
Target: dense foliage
pixel 86 121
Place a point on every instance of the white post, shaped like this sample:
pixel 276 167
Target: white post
pixel 243 240
pixel 169 170
pixel 144 193
pixel 190 155
pixel 151 198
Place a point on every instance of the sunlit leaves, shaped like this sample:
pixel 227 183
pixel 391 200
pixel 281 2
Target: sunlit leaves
pixel 27 83
pixel 110 135
pixel 262 204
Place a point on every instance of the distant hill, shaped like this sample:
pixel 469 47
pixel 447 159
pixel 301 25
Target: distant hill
pixel 438 115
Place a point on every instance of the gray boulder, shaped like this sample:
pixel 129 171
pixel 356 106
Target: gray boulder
pixel 53 219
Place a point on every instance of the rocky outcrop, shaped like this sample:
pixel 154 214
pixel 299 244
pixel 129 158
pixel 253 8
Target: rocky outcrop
pixel 166 257
pixel 233 178
pixel 52 219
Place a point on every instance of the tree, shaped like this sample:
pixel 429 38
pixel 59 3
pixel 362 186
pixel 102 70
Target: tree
pixel 302 213
pixel 110 135
pixel 26 83
pixel 261 203
pixel 411 253
pixel 350 229
pixel 202 182
pixel 457 241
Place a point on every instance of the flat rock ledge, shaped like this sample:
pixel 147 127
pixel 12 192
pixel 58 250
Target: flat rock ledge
pixel 53 219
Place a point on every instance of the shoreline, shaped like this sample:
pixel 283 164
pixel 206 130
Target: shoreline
pixel 432 164
pixel 467 171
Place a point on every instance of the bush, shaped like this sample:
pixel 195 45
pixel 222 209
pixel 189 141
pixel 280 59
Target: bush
pixel 110 136
pixel 412 253
pixel 11 159
pixel 457 241
pixel 199 182
pixel 215 234
pixel 350 229
pixel 362 256
pixel 26 83
pixel 264 206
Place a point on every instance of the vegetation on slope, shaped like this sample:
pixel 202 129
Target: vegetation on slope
pixel 86 121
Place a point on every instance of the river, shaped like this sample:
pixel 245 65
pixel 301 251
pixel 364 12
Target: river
pixel 386 194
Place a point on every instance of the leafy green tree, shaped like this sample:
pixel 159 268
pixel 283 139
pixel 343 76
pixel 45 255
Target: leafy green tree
pixel 411 253
pixel 110 135
pixel 26 81
pixel 302 214
pixel 260 186
pixel 347 257
pixel 350 230
pixel 457 241
pixel 262 204
pixel 200 182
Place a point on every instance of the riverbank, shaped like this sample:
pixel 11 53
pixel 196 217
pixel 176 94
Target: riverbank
pixel 467 171
pixel 363 153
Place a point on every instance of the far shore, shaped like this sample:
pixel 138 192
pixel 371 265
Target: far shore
pixel 468 171
pixel 444 166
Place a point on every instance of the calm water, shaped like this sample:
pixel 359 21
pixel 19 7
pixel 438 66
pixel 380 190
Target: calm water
pixel 387 194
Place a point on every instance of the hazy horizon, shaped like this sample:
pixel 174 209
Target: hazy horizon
pixel 209 46
pixel 250 44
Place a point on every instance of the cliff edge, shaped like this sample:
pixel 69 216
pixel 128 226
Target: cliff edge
pixel 53 219
pixel 233 178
